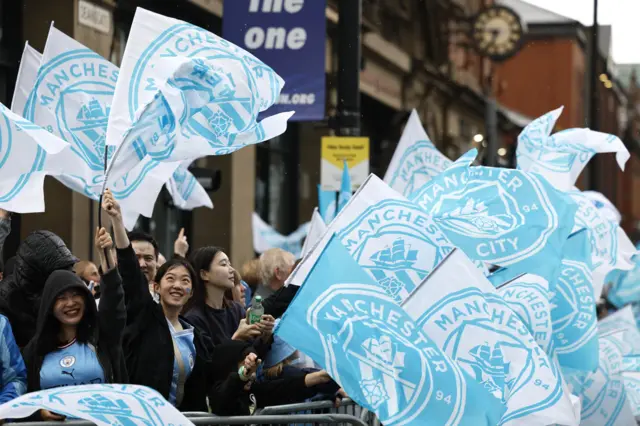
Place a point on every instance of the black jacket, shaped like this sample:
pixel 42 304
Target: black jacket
pixel 148 345
pixel 104 327
pixel 277 303
pixel 41 253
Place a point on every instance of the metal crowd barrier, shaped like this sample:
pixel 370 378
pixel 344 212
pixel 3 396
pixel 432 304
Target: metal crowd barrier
pixel 203 419
pixel 347 407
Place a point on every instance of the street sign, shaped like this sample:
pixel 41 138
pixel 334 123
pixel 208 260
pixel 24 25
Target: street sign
pixel 337 149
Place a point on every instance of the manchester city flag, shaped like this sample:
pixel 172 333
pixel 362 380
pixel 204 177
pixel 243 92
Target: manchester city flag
pixel 574 307
pixel 503 217
pixel 346 323
pixel 561 157
pixel 462 312
pixel 185 93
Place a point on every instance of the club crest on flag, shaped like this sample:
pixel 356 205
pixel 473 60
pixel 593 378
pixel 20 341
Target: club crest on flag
pixel 237 104
pixel 529 297
pixel 394 242
pixel 484 211
pixel 384 362
pixel 574 312
pixel 466 314
pixel 77 74
pixel 418 165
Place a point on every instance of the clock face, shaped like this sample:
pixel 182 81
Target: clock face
pixel 497 32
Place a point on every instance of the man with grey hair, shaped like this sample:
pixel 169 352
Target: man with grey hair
pixel 275 267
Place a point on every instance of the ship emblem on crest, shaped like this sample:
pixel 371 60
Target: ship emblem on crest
pixel 391 267
pixel 490 369
pixel 92 119
pixel 477 218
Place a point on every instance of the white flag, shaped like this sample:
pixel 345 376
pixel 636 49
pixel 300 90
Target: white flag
pixel 72 98
pixel 317 228
pixel 24 194
pixel 184 93
pixel 29 65
pixel 185 190
pixel 415 161
pixel 265 237
pixel 561 157
pixel 460 310
pixel 602 203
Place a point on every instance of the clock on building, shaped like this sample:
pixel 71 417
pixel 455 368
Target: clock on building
pixel 497 32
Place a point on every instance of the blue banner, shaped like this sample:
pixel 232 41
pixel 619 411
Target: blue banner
pixel 290 37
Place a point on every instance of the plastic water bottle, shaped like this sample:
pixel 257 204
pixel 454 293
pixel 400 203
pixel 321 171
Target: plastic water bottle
pixel 256 311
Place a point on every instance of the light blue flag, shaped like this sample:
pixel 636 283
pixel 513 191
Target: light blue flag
pixel 602 393
pixel 461 311
pixel 626 285
pixel 345 187
pixel 327 204
pixel 500 216
pixel 371 347
pixel 185 93
pixel 611 247
pixel 574 307
pixel 561 157
pixel 529 296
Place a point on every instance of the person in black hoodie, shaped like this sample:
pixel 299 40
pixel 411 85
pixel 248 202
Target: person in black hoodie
pixel 41 253
pixel 74 344
pixel 163 350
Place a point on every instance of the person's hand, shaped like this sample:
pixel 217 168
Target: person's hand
pixel 181 246
pixel 340 395
pixel 48 416
pixel 4 214
pixel 111 206
pixel 266 325
pixel 104 245
pixel 250 365
pixel 246 331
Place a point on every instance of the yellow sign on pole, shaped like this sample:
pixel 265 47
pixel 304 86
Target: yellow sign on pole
pixel 336 149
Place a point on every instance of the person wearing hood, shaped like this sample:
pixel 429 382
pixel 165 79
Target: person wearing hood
pixel 163 350
pixel 38 255
pixel 74 343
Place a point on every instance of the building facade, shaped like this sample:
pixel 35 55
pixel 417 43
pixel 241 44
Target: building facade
pixel 415 55
pixel 554 61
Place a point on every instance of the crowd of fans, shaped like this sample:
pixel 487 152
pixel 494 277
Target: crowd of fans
pixel 178 325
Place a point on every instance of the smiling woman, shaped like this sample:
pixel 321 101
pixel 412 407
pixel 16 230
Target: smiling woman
pixel 75 344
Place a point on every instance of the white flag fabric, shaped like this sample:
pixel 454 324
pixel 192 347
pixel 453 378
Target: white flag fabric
pixel 184 93
pixel 606 207
pixel 185 190
pixel 416 159
pixel 317 228
pixel 103 405
pixel 460 310
pixel 72 98
pixel 529 297
pixel 561 157
pixel 26 148
pixel 24 194
pixel 29 65
pixel 265 237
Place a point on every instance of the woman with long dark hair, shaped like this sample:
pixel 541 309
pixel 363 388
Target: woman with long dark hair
pixel 220 317
pixel 163 350
pixel 75 344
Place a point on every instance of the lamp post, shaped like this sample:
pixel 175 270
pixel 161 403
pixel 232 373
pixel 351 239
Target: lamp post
pixel 593 93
